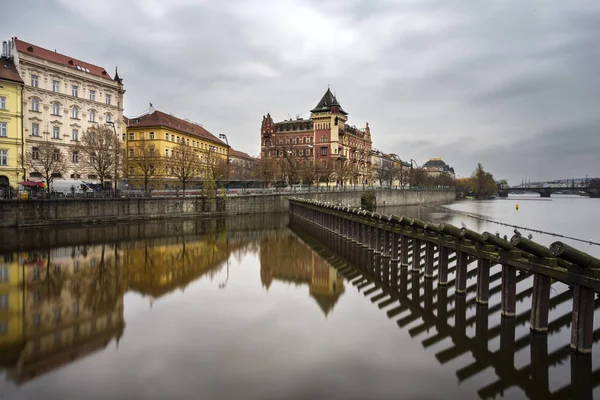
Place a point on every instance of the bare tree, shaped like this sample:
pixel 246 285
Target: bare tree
pixel 100 148
pixel 266 170
pixel 343 171
pixel 146 162
pixel 184 164
pixel 215 170
pixel 47 160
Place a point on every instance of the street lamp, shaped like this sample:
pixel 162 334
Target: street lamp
pixel 224 136
pixel 116 153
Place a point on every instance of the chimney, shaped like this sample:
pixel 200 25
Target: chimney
pixel 4 49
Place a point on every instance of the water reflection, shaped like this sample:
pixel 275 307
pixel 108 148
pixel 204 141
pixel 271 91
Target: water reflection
pixel 287 259
pixel 62 304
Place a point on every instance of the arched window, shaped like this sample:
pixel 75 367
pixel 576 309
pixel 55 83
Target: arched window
pixel 304 140
pixel 92 116
pixel 268 142
pixel 35 105
pixel 55 109
pixel 297 140
pixel 107 117
pixel 75 112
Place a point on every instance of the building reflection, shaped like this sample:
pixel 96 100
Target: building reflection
pixel 68 303
pixel 287 259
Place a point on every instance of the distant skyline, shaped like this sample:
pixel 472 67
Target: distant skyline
pixel 512 84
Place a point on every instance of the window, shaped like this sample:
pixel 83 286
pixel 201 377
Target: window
pixel 187 142
pixel 76 309
pixel 75 135
pixel 131 136
pixel 323 151
pixel 35 105
pixel 35 154
pixel 55 86
pixel 3 157
pixel 92 95
pixel 34 81
pixel 2 103
pixel 108 99
pixel 166 136
pixel 107 117
pixel 172 138
pixel 56 155
pixel 35 129
pixel 123 137
pixel 3 129
pixel 166 152
pixel 75 112
pixel 36 320
pixel 55 132
pixel 55 109
pixel 151 135
pixel 74 90
pixel 304 140
pixel 323 139
pixel 131 171
pixel 92 116
pixel 177 139
pixel 130 152
pixel 75 156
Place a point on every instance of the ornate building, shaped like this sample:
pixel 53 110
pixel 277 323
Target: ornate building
pixel 436 166
pixel 63 96
pixel 325 139
pixel 12 144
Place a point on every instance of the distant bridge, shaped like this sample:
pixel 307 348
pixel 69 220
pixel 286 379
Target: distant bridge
pixel 547 191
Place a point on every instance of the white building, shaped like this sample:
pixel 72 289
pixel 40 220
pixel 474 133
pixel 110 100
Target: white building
pixel 63 96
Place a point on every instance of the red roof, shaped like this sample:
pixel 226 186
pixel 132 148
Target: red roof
pixel 240 154
pixel 52 56
pixel 160 119
pixel 8 71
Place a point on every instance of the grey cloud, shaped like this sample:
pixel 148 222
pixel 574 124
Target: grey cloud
pixel 469 81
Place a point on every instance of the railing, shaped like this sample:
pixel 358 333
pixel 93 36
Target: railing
pixel 426 246
pixel 446 322
pixel 222 192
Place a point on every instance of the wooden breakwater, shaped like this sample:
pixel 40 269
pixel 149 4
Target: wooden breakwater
pixel 410 243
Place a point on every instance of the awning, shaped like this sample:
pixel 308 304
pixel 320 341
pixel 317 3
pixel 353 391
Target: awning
pixel 33 184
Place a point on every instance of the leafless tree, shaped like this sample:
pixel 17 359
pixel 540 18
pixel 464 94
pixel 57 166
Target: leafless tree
pixel 146 162
pixel 46 159
pixel 100 149
pixel 184 164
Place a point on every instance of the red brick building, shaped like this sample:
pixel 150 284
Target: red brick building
pixel 325 138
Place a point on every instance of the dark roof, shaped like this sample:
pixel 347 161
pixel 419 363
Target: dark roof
pixel 435 163
pixel 327 101
pixel 160 119
pixel 53 56
pixel 240 154
pixel 8 71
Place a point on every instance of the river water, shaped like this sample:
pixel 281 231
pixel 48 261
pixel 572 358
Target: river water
pixel 247 307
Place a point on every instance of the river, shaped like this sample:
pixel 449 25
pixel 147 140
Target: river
pixel 246 307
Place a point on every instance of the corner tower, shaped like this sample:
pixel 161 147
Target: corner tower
pixel 328 118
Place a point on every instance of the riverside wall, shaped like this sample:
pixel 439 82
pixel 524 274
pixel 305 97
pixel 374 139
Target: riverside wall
pixel 17 213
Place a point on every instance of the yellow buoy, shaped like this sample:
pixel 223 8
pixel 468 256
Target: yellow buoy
pixel 517 206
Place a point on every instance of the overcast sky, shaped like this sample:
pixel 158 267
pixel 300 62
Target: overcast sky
pixel 511 84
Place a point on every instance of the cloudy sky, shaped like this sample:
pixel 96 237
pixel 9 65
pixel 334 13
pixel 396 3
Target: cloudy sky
pixel 511 84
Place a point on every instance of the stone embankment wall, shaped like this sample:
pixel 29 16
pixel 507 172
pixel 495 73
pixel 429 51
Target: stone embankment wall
pixel 14 213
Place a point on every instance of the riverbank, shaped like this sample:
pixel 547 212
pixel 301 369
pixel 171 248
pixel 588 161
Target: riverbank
pixel 20 213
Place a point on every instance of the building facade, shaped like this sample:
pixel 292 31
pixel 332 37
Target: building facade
pixel 62 98
pixel 154 145
pixel 325 140
pixel 12 143
pixel 436 167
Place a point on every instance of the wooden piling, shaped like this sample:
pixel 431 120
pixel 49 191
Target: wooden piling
pixel 509 290
pixel 461 272
pixel 404 251
pixel 483 281
pixel 395 251
pixel 582 327
pixel 416 258
pixel 429 256
pixel 540 303
pixel 443 266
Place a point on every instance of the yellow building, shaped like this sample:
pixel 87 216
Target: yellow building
pixel 155 140
pixel 11 308
pixel 12 142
